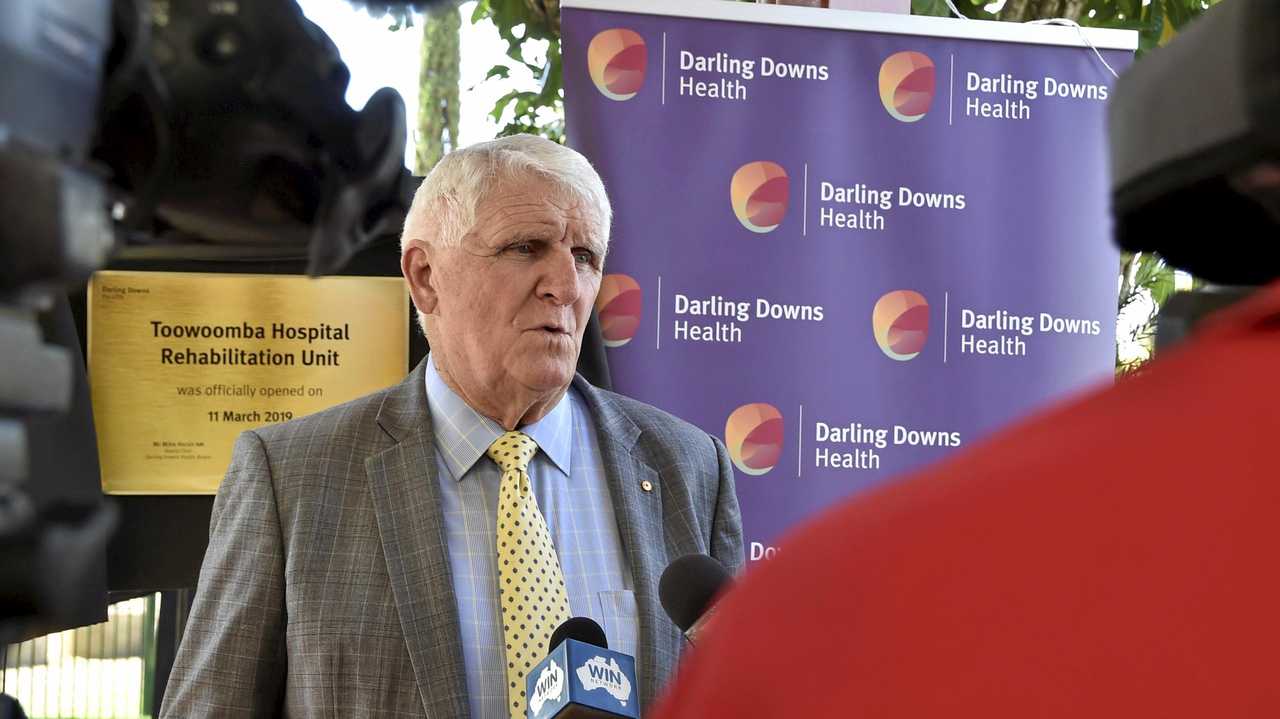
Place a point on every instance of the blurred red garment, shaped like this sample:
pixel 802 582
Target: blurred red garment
pixel 1113 557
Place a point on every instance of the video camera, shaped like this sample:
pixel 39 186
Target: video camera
pixel 1195 158
pixel 162 130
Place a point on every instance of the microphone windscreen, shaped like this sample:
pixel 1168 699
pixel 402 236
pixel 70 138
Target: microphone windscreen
pixel 688 585
pixel 583 629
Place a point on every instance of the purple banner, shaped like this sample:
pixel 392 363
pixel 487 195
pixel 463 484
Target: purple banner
pixel 846 253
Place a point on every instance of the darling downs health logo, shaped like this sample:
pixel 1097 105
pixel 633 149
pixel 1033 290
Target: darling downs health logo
pixel 907 84
pixel 753 435
pixel 759 192
pixel 900 322
pixel 616 60
pixel 619 306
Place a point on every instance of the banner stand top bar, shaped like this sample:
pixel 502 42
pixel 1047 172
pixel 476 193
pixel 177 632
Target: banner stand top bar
pixel 1101 38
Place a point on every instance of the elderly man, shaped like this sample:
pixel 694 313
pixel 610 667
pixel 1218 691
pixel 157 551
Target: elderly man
pixel 407 554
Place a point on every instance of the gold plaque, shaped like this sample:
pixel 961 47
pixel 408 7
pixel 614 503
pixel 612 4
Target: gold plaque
pixel 181 363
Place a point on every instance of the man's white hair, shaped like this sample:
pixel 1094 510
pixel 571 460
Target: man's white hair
pixel 446 201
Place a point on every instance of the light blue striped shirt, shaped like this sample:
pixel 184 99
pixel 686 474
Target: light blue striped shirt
pixel 569 482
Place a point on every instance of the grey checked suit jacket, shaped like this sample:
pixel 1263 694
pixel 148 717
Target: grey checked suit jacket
pixel 326 589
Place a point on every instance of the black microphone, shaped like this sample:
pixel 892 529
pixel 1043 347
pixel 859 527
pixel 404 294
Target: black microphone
pixel 687 588
pixel 582 678
pixel 583 629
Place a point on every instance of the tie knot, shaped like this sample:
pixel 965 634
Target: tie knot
pixel 513 450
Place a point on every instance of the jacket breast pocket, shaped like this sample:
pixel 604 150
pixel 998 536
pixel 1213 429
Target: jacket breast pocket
pixel 620 618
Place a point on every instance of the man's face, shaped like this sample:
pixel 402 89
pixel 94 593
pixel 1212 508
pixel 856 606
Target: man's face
pixel 514 298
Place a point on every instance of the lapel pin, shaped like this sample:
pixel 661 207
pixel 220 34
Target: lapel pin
pixel 646 486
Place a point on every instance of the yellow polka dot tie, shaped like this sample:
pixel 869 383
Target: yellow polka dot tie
pixel 530 583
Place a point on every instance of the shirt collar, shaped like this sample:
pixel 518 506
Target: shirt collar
pixel 463 435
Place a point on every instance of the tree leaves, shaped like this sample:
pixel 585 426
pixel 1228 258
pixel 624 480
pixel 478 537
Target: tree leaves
pixel 518 22
pixel 1146 282
pixel 1181 12
pixel 936 8
pixel 1148 17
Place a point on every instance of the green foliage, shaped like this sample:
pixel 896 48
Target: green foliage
pixel 1156 21
pixel 1146 281
pixel 537 110
pixel 935 8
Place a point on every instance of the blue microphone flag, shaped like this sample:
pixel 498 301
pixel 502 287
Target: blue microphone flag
pixel 583 676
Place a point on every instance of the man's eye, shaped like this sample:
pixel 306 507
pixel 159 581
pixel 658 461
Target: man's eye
pixel 522 248
pixel 585 257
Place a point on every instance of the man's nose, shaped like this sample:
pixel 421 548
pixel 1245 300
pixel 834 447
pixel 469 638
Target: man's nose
pixel 560 281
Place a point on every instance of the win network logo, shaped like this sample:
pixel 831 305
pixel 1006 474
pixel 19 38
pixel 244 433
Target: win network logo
pixel 550 686
pixel 901 324
pixel 759 192
pixel 907 85
pixel 598 674
pixel 616 60
pixel 619 306
pixel 753 434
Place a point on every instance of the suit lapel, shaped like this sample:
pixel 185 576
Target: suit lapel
pixel 406 499
pixel 639 516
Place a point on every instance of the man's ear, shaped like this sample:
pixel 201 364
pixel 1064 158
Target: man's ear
pixel 416 263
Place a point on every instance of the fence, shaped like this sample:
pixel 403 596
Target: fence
pixel 96 672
